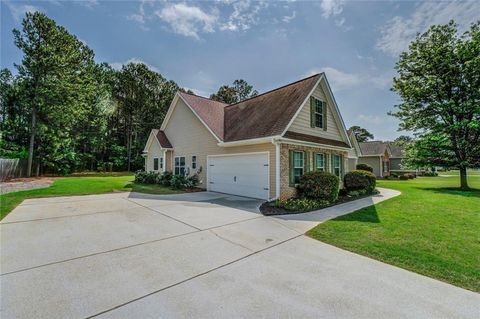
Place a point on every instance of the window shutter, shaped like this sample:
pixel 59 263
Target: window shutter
pixel 324 111
pixel 291 180
pixel 307 162
pixel 312 111
pixel 342 173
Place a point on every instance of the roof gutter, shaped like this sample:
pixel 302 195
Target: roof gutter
pixel 305 143
pixel 252 141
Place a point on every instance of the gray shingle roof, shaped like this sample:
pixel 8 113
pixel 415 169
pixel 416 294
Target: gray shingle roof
pixel 373 148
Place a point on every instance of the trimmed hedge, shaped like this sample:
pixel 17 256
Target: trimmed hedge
pixel 364 167
pixel 319 185
pixel 167 179
pixel 360 180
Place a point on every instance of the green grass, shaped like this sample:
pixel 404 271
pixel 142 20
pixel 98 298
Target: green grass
pixel 432 228
pixel 69 186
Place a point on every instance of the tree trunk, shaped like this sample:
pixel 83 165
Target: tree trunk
pixel 32 142
pixel 129 148
pixel 463 178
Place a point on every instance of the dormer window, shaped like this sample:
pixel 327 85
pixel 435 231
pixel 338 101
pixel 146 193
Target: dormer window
pixel 318 110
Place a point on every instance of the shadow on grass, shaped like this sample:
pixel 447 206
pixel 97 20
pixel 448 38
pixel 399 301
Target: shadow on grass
pixel 364 215
pixel 452 191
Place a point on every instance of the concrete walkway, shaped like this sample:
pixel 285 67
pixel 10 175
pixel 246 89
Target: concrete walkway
pixel 202 255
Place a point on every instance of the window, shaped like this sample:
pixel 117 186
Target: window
pixel 385 166
pixel 298 166
pixel 180 165
pixel 337 165
pixel 318 113
pixel 320 162
pixel 194 162
pixel 155 164
pixel 161 163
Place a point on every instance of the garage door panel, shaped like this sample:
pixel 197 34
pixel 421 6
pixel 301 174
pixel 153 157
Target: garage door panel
pixel 244 175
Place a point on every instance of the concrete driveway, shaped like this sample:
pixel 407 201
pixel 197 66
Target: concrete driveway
pixel 202 255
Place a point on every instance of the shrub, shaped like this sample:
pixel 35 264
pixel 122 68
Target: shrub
pixel 364 167
pixel 360 180
pixel 319 186
pixel 403 177
pixel 300 204
pixel 178 181
pixel 192 181
pixel 165 179
pixel 430 174
pixel 411 176
pixel 146 177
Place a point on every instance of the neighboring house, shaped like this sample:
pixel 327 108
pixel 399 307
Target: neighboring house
pixel 398 153
pixel 377 154
pixel 259 147
pixel 355 152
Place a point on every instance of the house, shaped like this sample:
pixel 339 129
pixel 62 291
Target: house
pixel 355 152
pixel 257 148
pixel 398 153
pixel 377 154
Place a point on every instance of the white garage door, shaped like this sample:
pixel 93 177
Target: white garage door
pixel 243 175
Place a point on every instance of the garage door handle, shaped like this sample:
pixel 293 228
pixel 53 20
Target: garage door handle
pixel 265 188
pixel 234 178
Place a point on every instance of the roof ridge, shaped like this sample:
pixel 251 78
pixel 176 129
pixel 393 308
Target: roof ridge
pixel 276 89
pixel 203 97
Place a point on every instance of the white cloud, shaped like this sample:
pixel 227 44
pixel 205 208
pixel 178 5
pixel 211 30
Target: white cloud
pixel 187 20
pixel 90 4
pixel 400 31
pixel 141 17
pixel 331 7
pixel 18 11
pixel 287 19
pixel 118 65
pixel 340 80
pixel 374 120
pixel 244 15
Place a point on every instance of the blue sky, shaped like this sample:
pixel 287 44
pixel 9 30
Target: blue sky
pixel 203 45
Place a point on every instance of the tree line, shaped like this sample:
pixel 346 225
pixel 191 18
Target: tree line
pixel 64 112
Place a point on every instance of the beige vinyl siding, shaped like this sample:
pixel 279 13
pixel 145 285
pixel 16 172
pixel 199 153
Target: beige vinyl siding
pixel 302 123
pixel 154 151
pixel 190 137
pixel 373 161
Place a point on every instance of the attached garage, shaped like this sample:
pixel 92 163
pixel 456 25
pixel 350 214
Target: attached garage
pixel 242 174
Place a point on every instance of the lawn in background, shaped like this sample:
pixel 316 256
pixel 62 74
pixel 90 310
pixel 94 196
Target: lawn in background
pixel 81 185
pixel 432 228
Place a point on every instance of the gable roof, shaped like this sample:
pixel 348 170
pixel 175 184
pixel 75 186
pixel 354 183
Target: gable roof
pixel 373 148
pixel 210 111
pixel 397 151
pixel 161 138
pixel 267 114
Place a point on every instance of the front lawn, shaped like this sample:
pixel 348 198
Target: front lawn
pixel 432 228
pixel 70 186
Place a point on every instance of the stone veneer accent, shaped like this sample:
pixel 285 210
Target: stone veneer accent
pixel 285 190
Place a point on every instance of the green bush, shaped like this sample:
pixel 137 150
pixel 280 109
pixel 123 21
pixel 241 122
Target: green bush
pixel 319 185
pixel 165 179
pixel 364 167
pixel 146 177
pixel 403 177
pixel 360 180
pixel 430 174
pixel 300 204
pixel 180 181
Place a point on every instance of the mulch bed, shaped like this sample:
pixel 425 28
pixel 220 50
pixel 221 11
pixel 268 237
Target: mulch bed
pixel 268 210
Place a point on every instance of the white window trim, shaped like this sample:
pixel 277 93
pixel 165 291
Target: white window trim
pixel 184 165
pixel 303 164
pixel 324 160
pixel 319 113
pixel 339 165
pixel 194 162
